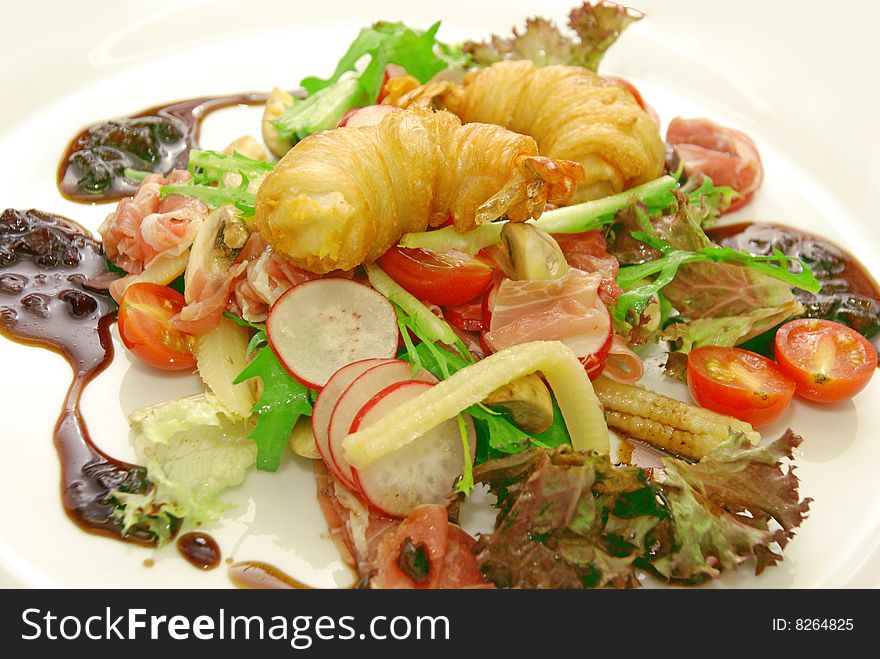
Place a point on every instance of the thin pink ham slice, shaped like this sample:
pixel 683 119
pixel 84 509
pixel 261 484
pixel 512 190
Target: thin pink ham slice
pixel 526 311
pixel 145 227
pixel 726 155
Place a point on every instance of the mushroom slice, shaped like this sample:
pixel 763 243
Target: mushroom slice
pixel 529 253
pixel 217 244
pixel 528 402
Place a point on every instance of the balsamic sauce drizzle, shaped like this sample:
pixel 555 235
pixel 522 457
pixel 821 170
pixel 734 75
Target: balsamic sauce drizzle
pixel 200 549
pixel 156 140
pixel 45 264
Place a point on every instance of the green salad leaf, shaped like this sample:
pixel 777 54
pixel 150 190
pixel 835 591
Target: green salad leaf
pixel 282 402
pixel 384 43
pixel 728 331
pixel 192 448
pixel 387 43
pixel 571 519
pixel 596 27
pixel 664 269
pixel 210 170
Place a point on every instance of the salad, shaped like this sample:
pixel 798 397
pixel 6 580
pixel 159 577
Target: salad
pixel 441 270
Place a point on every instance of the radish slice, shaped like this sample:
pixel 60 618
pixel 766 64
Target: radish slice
pixel 326 401
pixel 353 398
pixel 321 325
pixel 592 348
pixel 423 471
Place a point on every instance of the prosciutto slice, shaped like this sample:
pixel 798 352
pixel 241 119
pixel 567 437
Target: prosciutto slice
pixel 622 364
pixel 727 156
pixel 546 309
pixel 356 529
pixel 266 276
pixel 144 227
pixel 373 544
pixel 589 252
pixel 248 289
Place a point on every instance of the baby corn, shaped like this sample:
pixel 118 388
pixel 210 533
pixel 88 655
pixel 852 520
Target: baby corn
pixel 664 422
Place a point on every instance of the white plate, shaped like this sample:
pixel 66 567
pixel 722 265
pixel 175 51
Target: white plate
pixel 775 70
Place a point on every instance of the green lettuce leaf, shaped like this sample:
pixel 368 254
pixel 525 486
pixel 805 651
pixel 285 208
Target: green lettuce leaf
pixel 728 331
pixel 384 43
pixel 192 448
pixel 714 290
pixel 571 519
pixel 723 505
pixel 387 43
pixel 664 270
pixel 322 110
pixel 282 402
pixel 596 27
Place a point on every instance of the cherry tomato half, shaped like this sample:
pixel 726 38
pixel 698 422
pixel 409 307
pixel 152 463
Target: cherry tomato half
pixel 738 383
pixel 145 313
pixel 440 278
pixel 628 86
pixel 828 362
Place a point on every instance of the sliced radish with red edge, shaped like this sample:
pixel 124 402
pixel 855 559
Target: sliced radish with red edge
pixel 326 402
pixel 423 471
pixel 319 326
pixel 357 394
pixel 592 348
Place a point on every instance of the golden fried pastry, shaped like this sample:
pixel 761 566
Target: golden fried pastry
pixel 571 112
pixel 342 197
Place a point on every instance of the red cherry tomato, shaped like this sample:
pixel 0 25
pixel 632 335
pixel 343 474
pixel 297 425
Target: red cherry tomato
pixel 828 362
pixel 628 86
pixel 636 94
pixel 145 314
pixel 441 278
pixel 467 317
pixel 738 383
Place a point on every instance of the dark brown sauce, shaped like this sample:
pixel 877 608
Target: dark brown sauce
pixel 45 261
pixel 849 293
pixel 156 140
pixel 200 549
pixel 254 575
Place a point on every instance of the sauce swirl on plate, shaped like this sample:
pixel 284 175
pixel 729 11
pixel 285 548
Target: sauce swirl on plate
pixel 849 294
pixel 93 168
pixel 45 264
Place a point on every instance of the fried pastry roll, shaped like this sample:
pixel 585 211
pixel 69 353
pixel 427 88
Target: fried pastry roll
pixel 342 197
pixel 571 112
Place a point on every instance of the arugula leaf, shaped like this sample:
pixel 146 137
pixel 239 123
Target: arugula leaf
pixel 596 26
pixel 209 170
pixel 280 405
pixel 136 175
pixel 322 110
pixel 664 269
pixel 384 43
pixel 210 166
